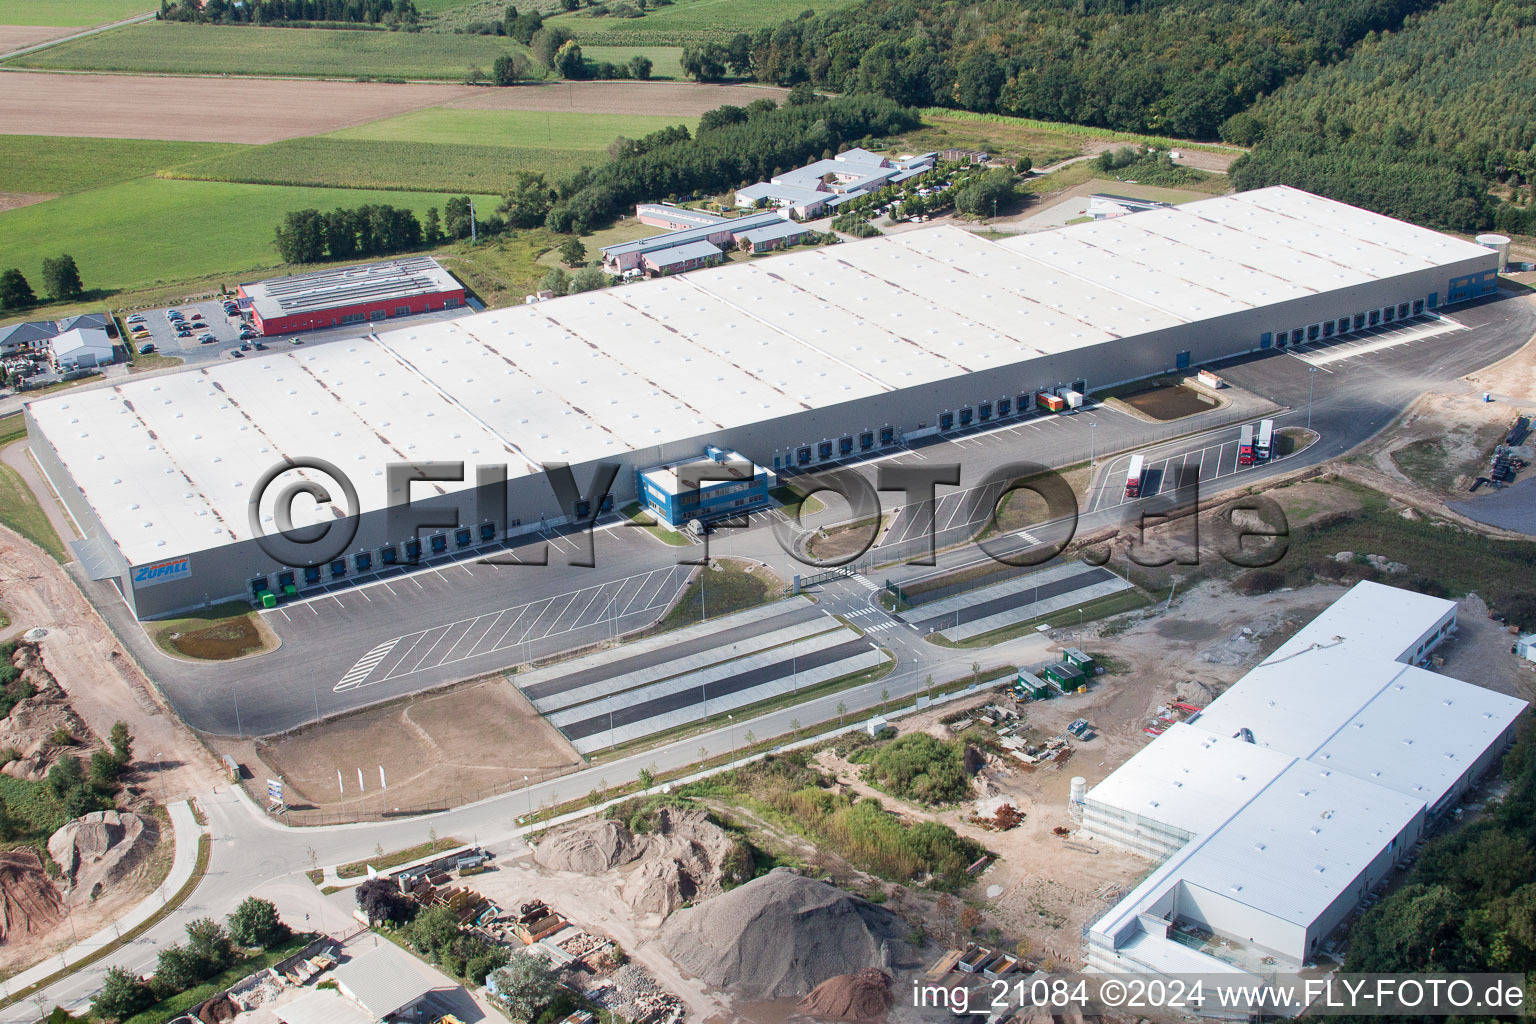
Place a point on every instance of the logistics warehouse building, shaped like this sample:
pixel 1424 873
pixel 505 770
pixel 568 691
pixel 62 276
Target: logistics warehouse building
pixel 1295 793
pixel 350 295
pixel 793 361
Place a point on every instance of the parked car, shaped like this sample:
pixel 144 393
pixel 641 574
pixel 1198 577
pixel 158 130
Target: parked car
pixel 294 341
pixel 183 334
pixel 136 318
pixel 237 354
pixel 206 338
pixel 146 348
pixel 259 346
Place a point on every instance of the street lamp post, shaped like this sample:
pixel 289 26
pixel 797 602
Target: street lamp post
pixel 1311 378
pixel 530 798
pixel 1091 449
pixel 732 720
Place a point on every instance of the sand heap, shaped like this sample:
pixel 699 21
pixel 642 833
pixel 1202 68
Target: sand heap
pixel 29 904
pixel 99 848
pixel 862 995
pixel 779 935
pixel 675 865
pixel 589 848
pixel 218 1010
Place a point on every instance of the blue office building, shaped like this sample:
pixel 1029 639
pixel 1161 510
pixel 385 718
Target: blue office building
pixel 713 487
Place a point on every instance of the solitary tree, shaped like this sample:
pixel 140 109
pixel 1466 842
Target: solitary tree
pixel 842 709
pixel 646 778
pixel 572 252
pixel 432 229
pixel 505 70
pixel 62 278
pixel 569 62
pixel 526 985
pixel 640 67
pixel 255 923
pixel 15 293
pixel 122 742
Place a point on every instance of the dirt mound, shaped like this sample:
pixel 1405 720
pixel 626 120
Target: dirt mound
pixel 32 724
pixel 660 886
pixel 1192 691
pixel 29 904
pixel 99 848
pixel 863 995
pixel 590 848
pixel 779 935
pixel 218 1010
pixel 677 864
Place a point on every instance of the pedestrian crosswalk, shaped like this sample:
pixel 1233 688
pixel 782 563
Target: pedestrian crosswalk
pixel 865 582
pixel 871 621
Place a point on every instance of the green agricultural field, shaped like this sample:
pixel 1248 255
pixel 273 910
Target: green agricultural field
pixel 524 129
pixel 246 50
pixel 366 164
pixel 153 230
pixel 70 13
pixel 666 61
pixel 689 21
pixel 48 163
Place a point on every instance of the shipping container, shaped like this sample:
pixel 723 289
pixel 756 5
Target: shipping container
pixel 1054 403
pixel 1133 477
pixel 1074 399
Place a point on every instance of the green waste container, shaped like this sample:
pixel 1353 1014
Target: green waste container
pixel 269 600
pixel 291 590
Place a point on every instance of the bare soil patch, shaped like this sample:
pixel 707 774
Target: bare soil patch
pixel 1444 440
pixel 202 109
pixel 679 99
pixel 16 200
pixel 1169 401
pixel 437 750
pixel 16 37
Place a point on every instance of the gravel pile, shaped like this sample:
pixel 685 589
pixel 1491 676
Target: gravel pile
pixel 779 935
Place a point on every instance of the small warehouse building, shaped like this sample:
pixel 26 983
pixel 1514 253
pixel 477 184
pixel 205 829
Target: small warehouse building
pixel 350 295
pixel 390 984
pixel 717 486
pixel 1294 794
pixel 81 348
pixel 683 257
pixel 798 361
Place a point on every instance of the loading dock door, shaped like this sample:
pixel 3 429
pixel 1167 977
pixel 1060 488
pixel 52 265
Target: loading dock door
pixel 413 551
pixel 1180 362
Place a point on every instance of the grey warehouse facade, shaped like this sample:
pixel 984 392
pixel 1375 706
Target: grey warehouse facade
pixel 794 361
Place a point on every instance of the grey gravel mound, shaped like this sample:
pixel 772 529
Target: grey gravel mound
pixel 778 936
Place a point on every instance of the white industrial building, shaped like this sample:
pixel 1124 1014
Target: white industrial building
pixel 80 348
pixel 796 361
pixel 1294 794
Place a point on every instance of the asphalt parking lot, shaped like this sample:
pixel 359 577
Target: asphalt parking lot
pixel 201 317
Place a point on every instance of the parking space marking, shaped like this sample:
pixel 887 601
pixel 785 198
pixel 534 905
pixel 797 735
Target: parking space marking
pixel 455 642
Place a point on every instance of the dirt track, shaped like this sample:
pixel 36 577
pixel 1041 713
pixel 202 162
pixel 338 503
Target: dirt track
pixel 200 109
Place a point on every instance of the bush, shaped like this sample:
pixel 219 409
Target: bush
pixel 255 923
pixel 922 769
pixel 1258 581
pixel 381 901
pixel 121 995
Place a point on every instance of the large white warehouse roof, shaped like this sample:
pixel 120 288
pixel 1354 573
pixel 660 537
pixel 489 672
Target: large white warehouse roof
pixel 607 373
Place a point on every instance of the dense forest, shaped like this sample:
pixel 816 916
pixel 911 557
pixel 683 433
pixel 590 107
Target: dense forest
pixel 1175 67
pixel 1418 124
pixel 277 12
pixel 1470 903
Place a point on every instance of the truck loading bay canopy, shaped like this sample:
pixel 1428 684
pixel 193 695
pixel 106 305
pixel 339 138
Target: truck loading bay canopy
pixel 607 373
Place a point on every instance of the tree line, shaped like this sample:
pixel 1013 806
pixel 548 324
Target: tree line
pixel 376 229
pixel 1176 67
pixel 267 12
pixel 1435 123
pixel 211 948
